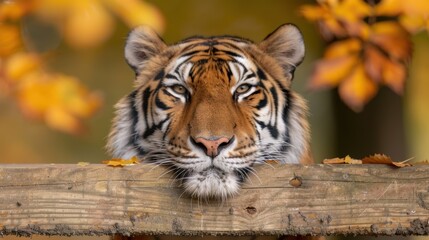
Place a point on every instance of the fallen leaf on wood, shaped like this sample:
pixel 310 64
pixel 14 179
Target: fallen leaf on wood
pixel 83 164
pixel 377 159
pixel 383 159
pixel 117 162
pixel 347 160
pixel 402 164
pixel 373 159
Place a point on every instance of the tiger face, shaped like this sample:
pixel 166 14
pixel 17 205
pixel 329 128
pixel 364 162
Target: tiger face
pixel 210 109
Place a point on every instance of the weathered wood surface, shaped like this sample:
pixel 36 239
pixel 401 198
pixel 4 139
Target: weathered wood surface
pixel 57 199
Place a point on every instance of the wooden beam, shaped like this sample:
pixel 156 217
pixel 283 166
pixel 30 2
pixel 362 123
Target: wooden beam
pixel 54 199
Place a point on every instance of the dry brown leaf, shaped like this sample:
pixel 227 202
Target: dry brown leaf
pixel 402 164
pixel 83 164
pixel 377 159
pixel 383 159
pixel 373 159
pixel 117 162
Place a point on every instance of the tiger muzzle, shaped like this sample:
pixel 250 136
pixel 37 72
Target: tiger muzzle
pixel 213 145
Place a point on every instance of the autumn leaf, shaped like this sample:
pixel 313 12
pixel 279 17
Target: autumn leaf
pixel 373 159
pixel 380 68
pixel 346 160
pixel 117 162
pixel 333 161
pixel 383 159
pixel 366 49
pixel 136 12
pixel 10 39
pixel 338 18
pixel 413 14
pixel 377 159
pixel 62 102
pixel 339 58
pixel 357 88
pixel 392 38
pixel 20 64
pixel 87 24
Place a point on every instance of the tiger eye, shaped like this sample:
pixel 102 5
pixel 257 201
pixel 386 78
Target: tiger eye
pixel 179 89
pixel 242 89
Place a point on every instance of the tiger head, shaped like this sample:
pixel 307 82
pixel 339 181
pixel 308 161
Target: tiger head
pixel 210 108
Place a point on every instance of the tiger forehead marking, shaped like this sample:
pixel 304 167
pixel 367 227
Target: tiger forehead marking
pixel 211 109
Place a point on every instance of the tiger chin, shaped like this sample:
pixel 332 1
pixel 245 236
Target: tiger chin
pixel 210 109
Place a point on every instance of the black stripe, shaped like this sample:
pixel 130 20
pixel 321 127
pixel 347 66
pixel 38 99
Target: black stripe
pixel 251 75
pixel 275 101
pixel 171 76
pixel 191 53
pixel 263 101
pixel 168 128
pixel 145 103
pixel 134 118
pixel 272 129
pixel 161 104
pixel 261 74
pixel 160 75
pixel 285 117
pixel 149 131
pixel 230 53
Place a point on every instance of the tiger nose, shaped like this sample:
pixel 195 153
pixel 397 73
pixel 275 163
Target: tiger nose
pixel 212 146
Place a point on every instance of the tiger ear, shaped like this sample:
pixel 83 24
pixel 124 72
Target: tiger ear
pixel 142 44
pixel 286 45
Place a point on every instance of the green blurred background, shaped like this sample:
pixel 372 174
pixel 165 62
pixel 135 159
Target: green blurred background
pixel 394 125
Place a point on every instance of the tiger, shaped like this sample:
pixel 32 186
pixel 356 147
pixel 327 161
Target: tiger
pixel 211 109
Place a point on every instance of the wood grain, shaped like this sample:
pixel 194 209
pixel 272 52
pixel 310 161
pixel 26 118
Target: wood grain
pixel 54 199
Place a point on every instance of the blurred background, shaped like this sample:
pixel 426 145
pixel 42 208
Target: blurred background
pixel 77 47
pixel 62 69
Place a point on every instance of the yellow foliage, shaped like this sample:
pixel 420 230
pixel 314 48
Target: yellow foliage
pixel 130 11
pixel 366 51
pixel 10 39
pixel 87 25
pixel 413 14
pixel 60 101
pixel 20 64
pixel 357 88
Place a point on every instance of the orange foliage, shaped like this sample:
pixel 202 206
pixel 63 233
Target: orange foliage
pixel 62 102
pixel 365 52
